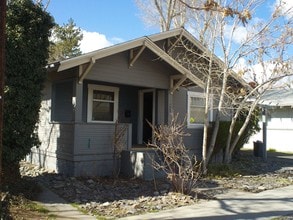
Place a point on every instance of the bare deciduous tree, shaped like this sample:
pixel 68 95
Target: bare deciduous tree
pixel 232 31
pixel 174 13
pixel 165 13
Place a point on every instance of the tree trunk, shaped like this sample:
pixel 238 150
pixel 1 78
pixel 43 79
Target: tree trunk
pixel 205 129
pixel 214 138
pixel 2 77
pixel 10 173
pixel 227 157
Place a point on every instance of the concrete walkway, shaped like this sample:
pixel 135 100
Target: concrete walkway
pixel 58 207
pixel 233 205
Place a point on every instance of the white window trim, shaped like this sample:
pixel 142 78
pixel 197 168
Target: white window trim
pixel 91 88
pixel 191 94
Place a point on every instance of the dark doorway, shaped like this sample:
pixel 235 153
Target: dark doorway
pixel 147 116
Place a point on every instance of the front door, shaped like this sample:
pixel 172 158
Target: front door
pixel 147 114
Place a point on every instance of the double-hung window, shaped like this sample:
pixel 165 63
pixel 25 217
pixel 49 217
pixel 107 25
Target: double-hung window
pixel 196 108
pixel 102 103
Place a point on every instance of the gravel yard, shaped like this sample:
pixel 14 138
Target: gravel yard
pixel 106 197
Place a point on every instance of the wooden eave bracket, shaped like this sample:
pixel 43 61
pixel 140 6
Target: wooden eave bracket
pixel 133 58
pixel 86 71
pixel 178 84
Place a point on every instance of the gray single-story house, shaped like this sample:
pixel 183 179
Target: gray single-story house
pixel 279 120
pixel 132 83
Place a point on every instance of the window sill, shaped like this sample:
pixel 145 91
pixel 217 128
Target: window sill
pixel 195 126
pixel 61 122
pixel 100 122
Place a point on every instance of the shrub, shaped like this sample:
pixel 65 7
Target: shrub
pixel 252 128
pixel 181 167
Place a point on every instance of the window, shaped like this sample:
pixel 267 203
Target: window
pixel 196 107
pixel 102 103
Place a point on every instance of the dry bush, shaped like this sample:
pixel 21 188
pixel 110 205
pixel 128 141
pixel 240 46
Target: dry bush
pixel 175 160
pixel 118 146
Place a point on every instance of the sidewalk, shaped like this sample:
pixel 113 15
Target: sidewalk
pixel 58 206
pixel 233 205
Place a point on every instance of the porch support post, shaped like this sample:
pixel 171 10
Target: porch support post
pixel 82 75
pixel 77 101
pixel 264 132
pixel 170 106
pixel 134 58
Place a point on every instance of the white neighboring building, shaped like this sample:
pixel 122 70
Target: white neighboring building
pixel 279 105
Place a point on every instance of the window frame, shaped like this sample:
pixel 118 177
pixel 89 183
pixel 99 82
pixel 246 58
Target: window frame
pixel 191 94
pixel 91 89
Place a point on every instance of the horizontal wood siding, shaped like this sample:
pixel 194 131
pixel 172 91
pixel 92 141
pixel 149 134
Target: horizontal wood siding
pixel 94 149
pixel 147 71
pixel 94 138
pixel 180 103
pixel 194 141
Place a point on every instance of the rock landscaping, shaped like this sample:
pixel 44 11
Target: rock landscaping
pixel 114 198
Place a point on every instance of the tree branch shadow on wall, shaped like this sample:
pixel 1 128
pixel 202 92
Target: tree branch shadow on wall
pixel 43 155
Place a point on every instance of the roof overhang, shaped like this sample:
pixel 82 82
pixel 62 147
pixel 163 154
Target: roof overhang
pixel 277 98
pixel 141 44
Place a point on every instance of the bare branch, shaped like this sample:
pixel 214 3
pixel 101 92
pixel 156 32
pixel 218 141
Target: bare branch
pixel 180 166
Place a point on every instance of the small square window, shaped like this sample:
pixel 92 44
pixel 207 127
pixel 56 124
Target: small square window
pixel 102 103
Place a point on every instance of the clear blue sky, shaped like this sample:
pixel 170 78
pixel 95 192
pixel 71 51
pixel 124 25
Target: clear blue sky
pixel 113 21
pixel 113 18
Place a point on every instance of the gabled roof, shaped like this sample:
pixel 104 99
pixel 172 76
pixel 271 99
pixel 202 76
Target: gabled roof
pixel 107 51
pixel 143 42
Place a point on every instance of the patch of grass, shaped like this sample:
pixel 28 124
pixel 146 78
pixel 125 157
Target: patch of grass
pixel 84 211
pixel 282 218
pixel 223 170
pixel 21 204
pixel 100 217
pixel 271 150
pixel 37 207
pixel 52 217
pixel 22 208
pixel 75 205
pixel 284 181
